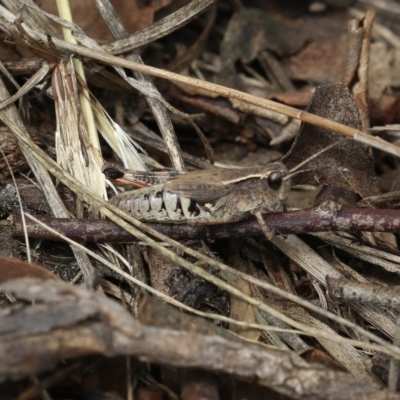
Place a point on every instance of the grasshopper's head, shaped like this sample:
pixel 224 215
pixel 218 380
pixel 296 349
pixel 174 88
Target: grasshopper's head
pixel 275 185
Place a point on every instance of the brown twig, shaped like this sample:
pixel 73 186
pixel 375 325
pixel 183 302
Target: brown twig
pixel 350 219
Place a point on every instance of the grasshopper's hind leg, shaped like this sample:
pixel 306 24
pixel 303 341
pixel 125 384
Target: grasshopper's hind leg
pixel 216 219
pixel 266 229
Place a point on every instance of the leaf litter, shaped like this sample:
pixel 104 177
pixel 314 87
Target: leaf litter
pixel 267 300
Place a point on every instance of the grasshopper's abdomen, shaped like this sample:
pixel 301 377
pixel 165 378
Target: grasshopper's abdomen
pixel 157 205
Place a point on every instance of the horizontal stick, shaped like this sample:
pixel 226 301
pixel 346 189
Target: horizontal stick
pixel 350 219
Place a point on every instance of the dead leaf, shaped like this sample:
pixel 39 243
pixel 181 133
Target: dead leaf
pixel 321 61
pixel 243 311
pixel 296 99
pixel 13 269
pixel 135 15
pixel 249 32
pixel 317 356
pixel 380 70
pixel 348 165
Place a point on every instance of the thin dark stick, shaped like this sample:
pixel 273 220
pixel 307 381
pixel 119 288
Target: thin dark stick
pixel 318 219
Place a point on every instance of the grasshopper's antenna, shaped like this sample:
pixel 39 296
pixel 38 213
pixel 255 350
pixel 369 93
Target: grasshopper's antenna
pixel 289 176
pixel 315 156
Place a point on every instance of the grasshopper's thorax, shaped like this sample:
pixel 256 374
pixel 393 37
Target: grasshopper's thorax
pixel 264 189
pixel 275 186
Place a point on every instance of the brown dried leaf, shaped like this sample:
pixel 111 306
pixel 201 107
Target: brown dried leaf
pixel 249 32
pixel 381 72
pixel 13 269
pixel 296 99
pixel 348 165
pixel 243 311
pixel 321 61
pixel 135 15
pixel 313 355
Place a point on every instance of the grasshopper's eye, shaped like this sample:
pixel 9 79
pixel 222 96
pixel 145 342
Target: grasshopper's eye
pixel 112 173
pixel 275 180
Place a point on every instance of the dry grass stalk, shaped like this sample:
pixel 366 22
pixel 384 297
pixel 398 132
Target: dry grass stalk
pixel 96 54
pixel 89 138
pixel 42 176
pixel 157 107
pixel 74 151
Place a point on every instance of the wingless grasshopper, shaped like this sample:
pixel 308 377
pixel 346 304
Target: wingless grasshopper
pixel 206 197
